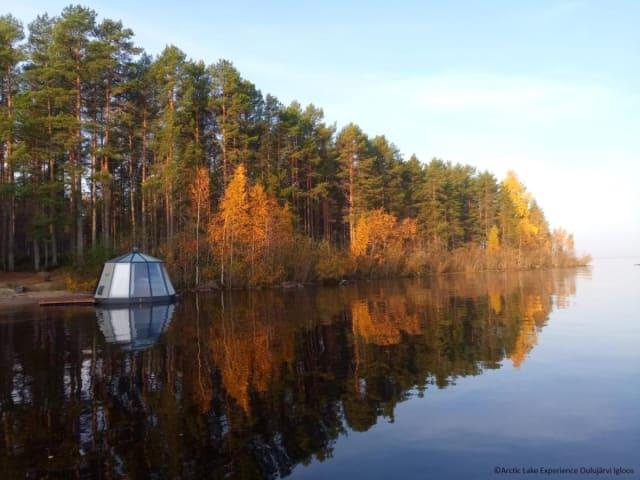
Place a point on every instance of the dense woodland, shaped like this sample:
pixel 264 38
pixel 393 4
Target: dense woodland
pixel 104 147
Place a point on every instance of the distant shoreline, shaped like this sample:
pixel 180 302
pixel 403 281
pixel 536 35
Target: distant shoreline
pixel 10 301
pixel 27 299
pixel 36 287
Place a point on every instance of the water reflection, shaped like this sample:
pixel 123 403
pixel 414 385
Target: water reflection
pixel 134 327
pixel 249 384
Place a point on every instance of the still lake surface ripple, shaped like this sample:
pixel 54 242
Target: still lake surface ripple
pixel 446 377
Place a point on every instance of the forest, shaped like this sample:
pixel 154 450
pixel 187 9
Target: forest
pixel 104 147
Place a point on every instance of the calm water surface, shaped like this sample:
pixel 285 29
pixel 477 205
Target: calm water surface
pixel 440 378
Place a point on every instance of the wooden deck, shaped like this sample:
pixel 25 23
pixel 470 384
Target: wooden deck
pixel 61 301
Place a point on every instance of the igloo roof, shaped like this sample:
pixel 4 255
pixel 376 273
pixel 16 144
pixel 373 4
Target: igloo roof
pixel 135 257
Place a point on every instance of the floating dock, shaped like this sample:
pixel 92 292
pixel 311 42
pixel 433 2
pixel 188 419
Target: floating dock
pixel 61 301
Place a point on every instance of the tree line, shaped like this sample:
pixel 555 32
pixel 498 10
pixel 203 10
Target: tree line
pixel 104 147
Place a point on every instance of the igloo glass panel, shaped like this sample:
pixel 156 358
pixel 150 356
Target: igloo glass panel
pixel 142 319
pixel 169 285
pixel 105 280
pixel 140 280
pixel 157 283
pixel 120 325
pixel 120 282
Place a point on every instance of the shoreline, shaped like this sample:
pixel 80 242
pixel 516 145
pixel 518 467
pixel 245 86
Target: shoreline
pixel 21 301
pixel 31 299
pixel 36 287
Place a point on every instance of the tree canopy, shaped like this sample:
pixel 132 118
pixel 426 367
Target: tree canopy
pixel 103 146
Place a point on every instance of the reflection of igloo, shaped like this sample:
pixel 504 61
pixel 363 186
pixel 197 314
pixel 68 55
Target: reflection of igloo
pixel 136 327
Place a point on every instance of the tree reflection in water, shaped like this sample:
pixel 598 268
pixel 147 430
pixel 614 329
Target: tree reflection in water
pixel 249 383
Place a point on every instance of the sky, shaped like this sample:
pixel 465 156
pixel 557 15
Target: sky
pixel 549 89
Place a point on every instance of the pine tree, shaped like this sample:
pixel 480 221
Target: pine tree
pixel 11 33
pixel 382 184
pixel 412 177
pixel 111 64
pixel 142 109
pixel 49 117
pixel 485 191
pixel 351 149
pixel 168 73
pixel 71 61
pixel 432 211
pixel 237 106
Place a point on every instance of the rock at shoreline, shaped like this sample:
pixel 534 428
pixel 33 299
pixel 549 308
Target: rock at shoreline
pixel 7 293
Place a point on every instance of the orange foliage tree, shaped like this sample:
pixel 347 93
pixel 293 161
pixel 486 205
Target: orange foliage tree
pixel 533 313
pixel 251 233
pixel 380 241
pixel 271 229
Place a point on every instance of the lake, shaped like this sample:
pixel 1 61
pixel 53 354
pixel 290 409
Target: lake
pixel 456 376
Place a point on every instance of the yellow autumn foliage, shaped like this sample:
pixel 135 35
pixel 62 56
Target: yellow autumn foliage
pixel 517 193
pixel 252 234
pixel 380 242
pixel 493 241
pixel 532 312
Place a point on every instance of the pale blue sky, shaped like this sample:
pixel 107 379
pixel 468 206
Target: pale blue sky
pixel 548 89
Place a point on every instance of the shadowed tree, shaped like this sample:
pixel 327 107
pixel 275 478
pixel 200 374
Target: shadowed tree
pixel 11 53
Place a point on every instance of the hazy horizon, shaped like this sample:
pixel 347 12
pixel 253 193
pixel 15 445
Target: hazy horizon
pixel 548 89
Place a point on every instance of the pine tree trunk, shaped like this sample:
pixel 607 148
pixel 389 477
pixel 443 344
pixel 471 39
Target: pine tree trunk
pixel 325 219
pixel 11 262
pixel 52 178
pixel 155 228
pixel 4 221
pixel 143 207
pixel 94 219
pixel 351 199
pixel 132 193
pixel 307 207
pixel 198 245
pixel 168 186
pixel 106 177
pixel 36 255
pixel 77 169
pixel 167 214
pixel 54 245
pixel 224 142
pixel 12 202
pixel 114 234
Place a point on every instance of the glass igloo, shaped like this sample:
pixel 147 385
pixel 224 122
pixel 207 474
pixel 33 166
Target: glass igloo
pixel 134 278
